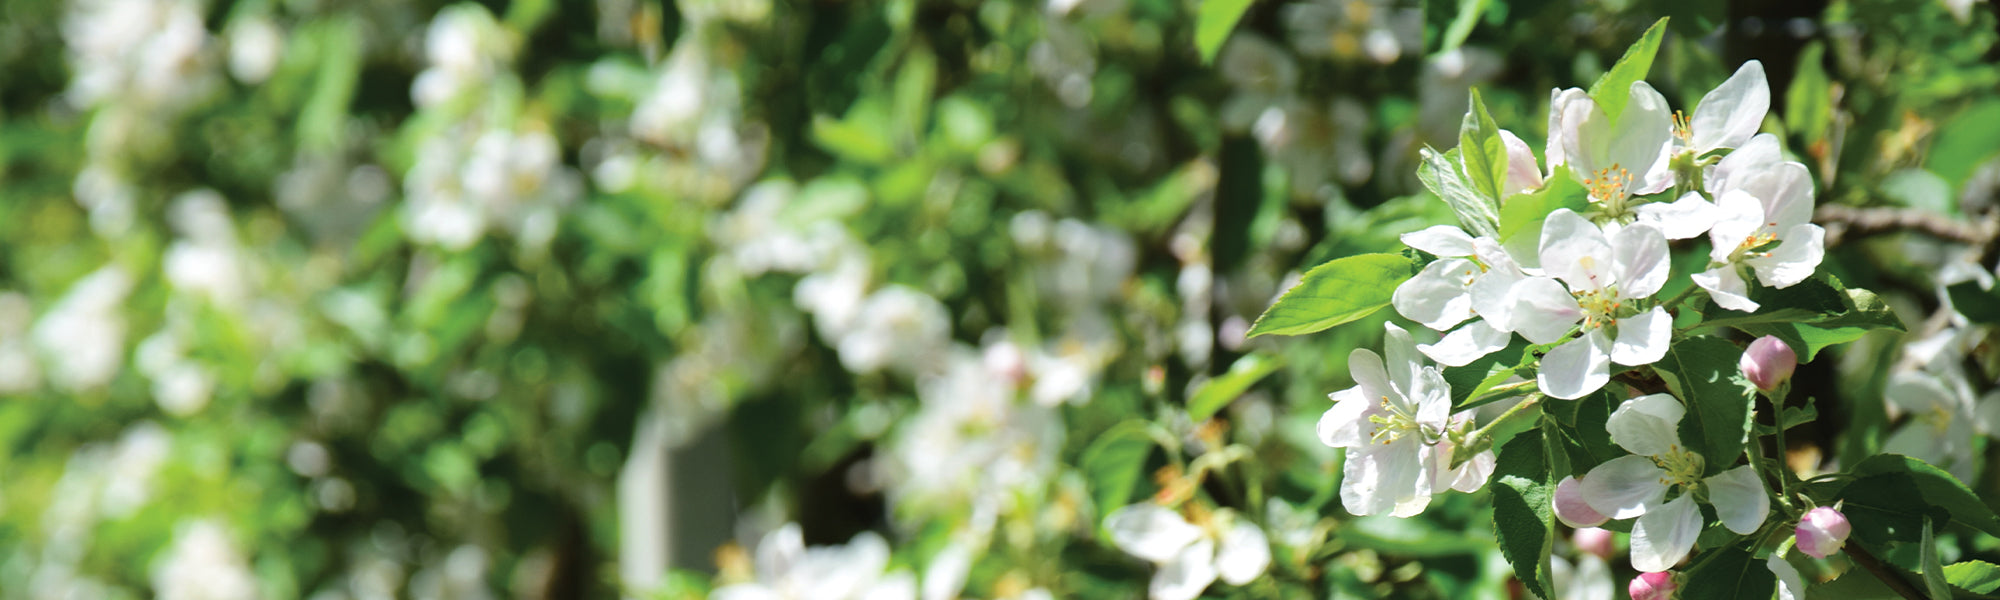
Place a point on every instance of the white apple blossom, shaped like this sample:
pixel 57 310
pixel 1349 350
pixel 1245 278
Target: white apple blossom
pixel 1763 223
pixel 1637 485
pixel 1189 556
pixel 1942 427
pixel 1470 279
pixel 788 570
pixel 1729 114
pixel 1397 425
pixel 1595 277
pixel 1614 159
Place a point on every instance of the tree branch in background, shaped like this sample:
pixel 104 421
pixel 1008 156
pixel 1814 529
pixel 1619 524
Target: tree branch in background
pixel 1843 221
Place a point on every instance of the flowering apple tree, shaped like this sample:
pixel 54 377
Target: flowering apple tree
pixel 1590 314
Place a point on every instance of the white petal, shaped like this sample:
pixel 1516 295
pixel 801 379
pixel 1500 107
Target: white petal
pixel 1642 338
pixel 1560 129
pixel 1739 499
pixel 1586 135
pixel 1436 296
pixel 1738 216
pixel 1798 254
pixel 1624 487
pixel 1491 296
pixel 1431 398
pixel 1640 141
pixel 1468 477
pixel 1442 240
pixel 745 591
pixel 1543 310
pixel 1243 554
pixel 1726 287
pixel 1640 255
pixel 1647 425
pixel 1466 344
pixel 1681 219
pixel 1403 362
pixel 1785 192
pixel 1577 367
pixel 1186 574
pixel 900 585
pixel 1575 251
pixel 1663 536
pixel 1346 424
pixel 1390 479
pixel 1791 586
pixel 1522 173
pixel 1369 374
pixel 1150 531
pixel 1732 112
pixel 1757 155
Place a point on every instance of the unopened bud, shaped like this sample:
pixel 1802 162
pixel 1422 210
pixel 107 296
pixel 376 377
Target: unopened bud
pixel 1768 363
pixel 1652 586
pixel 1571 508
pixel 1593 540
pixel 1822 532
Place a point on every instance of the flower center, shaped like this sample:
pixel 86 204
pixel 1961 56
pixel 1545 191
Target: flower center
pixel 1683 466
pixel 1683 127
pixel 1600 306
pixel 1758 244
pixel 1611 186
pixel 1938 417
pixel 1393 424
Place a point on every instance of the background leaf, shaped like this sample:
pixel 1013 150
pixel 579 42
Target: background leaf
pixel 1613 89
pixel 1702 372
pixel 1218 392
pixel 1213 24
pixel 1728 572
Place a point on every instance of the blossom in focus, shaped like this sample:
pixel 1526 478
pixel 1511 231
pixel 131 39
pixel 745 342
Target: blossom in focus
pixel 1729 114
pixel 1189 556
pixel 1763 221
pixel 1637 485
pixel 1768 363
pixel 1397 427
pixel 1822 532
pixel 1470 279
pixel 1615 159
pixel 1594 277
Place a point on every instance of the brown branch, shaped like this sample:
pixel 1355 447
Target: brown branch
pixel 1901 586
pixel 1842 221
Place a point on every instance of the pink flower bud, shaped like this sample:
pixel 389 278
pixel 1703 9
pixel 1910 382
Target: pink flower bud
pixel 1822 532
pixel 1571 508
pixel 1594 541
pixel 1768 362
pixel 1652 586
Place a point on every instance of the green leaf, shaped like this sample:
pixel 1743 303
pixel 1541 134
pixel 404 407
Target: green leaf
pixel 1976 576
pixel 1525 475
pixel 1218 392
pixel 1441 173
pixel 850 140
pixel 1583 435
pixel 1482 152
pixel 1613 89
pixel 1934 584
pixel 1702 372
pixel 1965 142
pixel 1728 572
pixel 1475 378
pixel 1980 306
pixel 1213 24
pixel 1526 212
pixel 1115 461
pixel 1462 23
pixel 1810 316
pixel 1892 495
pixel 1339 291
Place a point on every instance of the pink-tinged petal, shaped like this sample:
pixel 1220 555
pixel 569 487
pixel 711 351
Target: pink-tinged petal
pixel 1759 154
pixel 1657 585
pixel 1739 499
pixel 1436 296
pixel 1523 175
pixel 1798 254
pixel 1441 240
pixel 1150 531
pixel 1642 338
pixel 1648 425
pixel 1244 553
pixel 1822 532
pixel 1681 219
pixel 1577 367
pixel 1184 577
pixel 1576 251
pixel 1571 508
pixel 1663 536
pixel 1624 487
pixel 1732 112
pixel 1639 253
pixel 1466 344
pixel 1726 287
pixel 1346 424
pixel 1543 310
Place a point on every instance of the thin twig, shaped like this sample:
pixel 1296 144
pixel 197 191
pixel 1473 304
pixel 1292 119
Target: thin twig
pixel 1874 566
pixel 1842 221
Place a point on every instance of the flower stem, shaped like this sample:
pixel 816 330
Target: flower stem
pixel 1481 439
